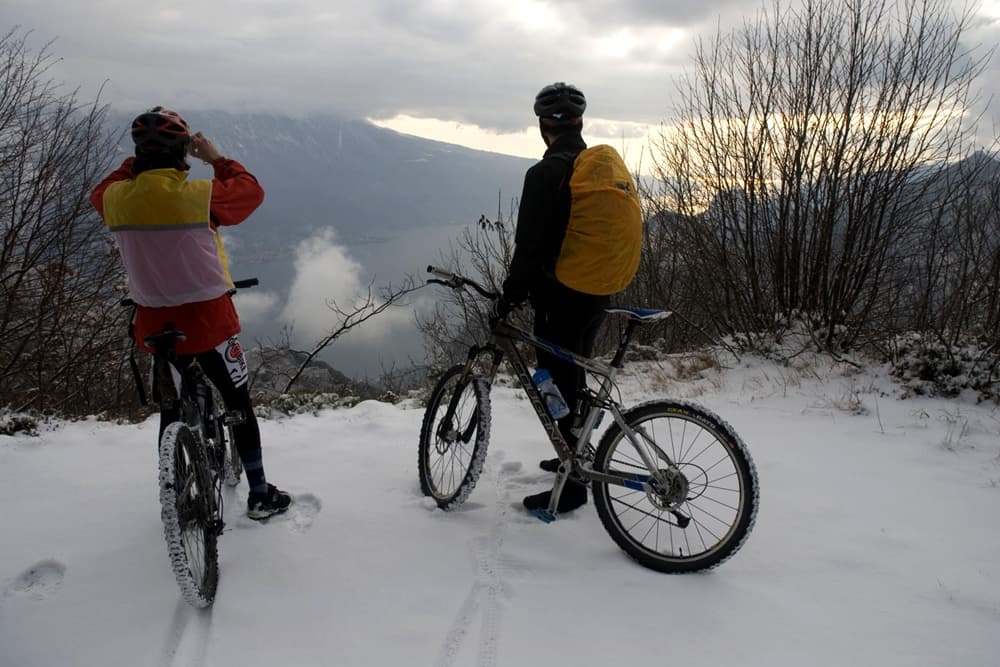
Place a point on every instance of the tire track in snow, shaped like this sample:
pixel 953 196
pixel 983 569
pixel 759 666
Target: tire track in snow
pixel 186 644
pixel 488 587
pixel 187 640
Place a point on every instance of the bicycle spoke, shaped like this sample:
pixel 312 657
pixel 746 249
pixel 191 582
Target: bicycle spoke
pixel 692 513
pixel 452 437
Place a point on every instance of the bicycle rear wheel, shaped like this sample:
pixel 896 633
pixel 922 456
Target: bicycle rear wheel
pixel 188 510
pixel 453 437
pixel 712 483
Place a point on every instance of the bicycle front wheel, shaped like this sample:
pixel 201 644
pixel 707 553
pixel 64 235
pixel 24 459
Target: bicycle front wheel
pixel 706 509
pixel 188 511
pixel 453 437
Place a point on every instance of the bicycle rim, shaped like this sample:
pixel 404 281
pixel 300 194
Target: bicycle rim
pixel 713 482
pixel 452 446
pixel 188 511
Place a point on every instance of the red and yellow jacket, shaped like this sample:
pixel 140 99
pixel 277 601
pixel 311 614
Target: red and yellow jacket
pixel 166 228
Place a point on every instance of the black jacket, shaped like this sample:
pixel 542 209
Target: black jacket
pixel 542 219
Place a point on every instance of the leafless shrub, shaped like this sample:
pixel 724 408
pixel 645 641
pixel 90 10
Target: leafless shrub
pixel 460 318
pixel 807 167
pixel 62 333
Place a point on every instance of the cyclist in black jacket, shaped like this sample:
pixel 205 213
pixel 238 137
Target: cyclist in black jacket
pixel 563 316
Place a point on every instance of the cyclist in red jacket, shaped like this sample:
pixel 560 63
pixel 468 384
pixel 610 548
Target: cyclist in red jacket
pixel 166 228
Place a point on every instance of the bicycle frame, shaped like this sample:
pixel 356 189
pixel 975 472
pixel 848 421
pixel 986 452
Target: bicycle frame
pixel 502 345
pixel 502 341
pixel 171 386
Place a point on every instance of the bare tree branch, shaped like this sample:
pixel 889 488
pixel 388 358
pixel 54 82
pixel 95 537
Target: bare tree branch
pixel 372 305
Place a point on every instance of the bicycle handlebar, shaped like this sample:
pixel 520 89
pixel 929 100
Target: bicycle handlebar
pixel 245 283
pixel 237 285
pixel 455 281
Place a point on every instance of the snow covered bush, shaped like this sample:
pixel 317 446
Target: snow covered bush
pixel 12 423
pixel 304 403
pixel 314 402
pixel 927 366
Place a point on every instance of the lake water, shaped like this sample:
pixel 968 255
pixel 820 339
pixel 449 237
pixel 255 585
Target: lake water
pixel 390 257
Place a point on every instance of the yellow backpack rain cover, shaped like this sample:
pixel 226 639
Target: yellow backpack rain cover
pixel 600 252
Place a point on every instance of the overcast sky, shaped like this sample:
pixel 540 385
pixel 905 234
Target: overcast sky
pixel 461 71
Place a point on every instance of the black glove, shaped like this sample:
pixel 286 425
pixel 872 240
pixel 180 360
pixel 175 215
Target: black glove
pixel 500 309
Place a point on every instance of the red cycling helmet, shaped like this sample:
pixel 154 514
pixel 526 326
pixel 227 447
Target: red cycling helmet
pixel 160 130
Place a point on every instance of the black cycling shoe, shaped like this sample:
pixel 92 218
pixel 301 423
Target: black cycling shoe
pixel 262 505
pixel 574 495
pixel 549 465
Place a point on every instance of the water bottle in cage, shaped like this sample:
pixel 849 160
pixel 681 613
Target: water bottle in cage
pixel 554 401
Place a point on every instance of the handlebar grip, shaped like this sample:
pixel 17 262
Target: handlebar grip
pixel 245 283
pixel 441 273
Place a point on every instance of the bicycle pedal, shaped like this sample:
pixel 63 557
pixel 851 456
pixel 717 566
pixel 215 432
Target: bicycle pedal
pixel 544 516
pixel 234 418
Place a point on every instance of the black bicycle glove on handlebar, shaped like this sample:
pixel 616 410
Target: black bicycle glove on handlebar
pixel 500 309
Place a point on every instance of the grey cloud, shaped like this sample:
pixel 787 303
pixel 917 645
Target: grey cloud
pixel 473 62
pixel 679 13
pixel 374 59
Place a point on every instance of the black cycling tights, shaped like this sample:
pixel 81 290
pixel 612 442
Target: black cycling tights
pixel 571 320
pixel 246 434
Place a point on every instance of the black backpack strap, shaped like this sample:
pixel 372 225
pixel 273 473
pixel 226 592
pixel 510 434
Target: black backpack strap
pixel 570 159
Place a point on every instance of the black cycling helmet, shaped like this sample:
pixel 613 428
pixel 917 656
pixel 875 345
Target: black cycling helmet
pixel 560 100
pixel 160 130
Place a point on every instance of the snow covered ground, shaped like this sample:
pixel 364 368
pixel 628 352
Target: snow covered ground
pixel 877 543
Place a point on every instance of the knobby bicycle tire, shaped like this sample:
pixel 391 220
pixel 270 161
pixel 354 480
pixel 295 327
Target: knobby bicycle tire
pixel 451 455
pixel 718 488
pixel 187 508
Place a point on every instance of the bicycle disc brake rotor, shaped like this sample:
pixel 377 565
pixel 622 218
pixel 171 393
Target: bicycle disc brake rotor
pixel 671 492
pixel 446 434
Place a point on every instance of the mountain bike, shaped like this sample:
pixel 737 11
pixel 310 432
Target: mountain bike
pixel 197 455
pixel 674 485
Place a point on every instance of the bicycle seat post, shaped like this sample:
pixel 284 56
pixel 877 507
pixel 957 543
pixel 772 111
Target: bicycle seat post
pixel 619 358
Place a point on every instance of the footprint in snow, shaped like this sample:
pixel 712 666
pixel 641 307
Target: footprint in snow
pixel 299 517
pixel 511 466
pixel 37 582
pixel 303 511
pixel 531 479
